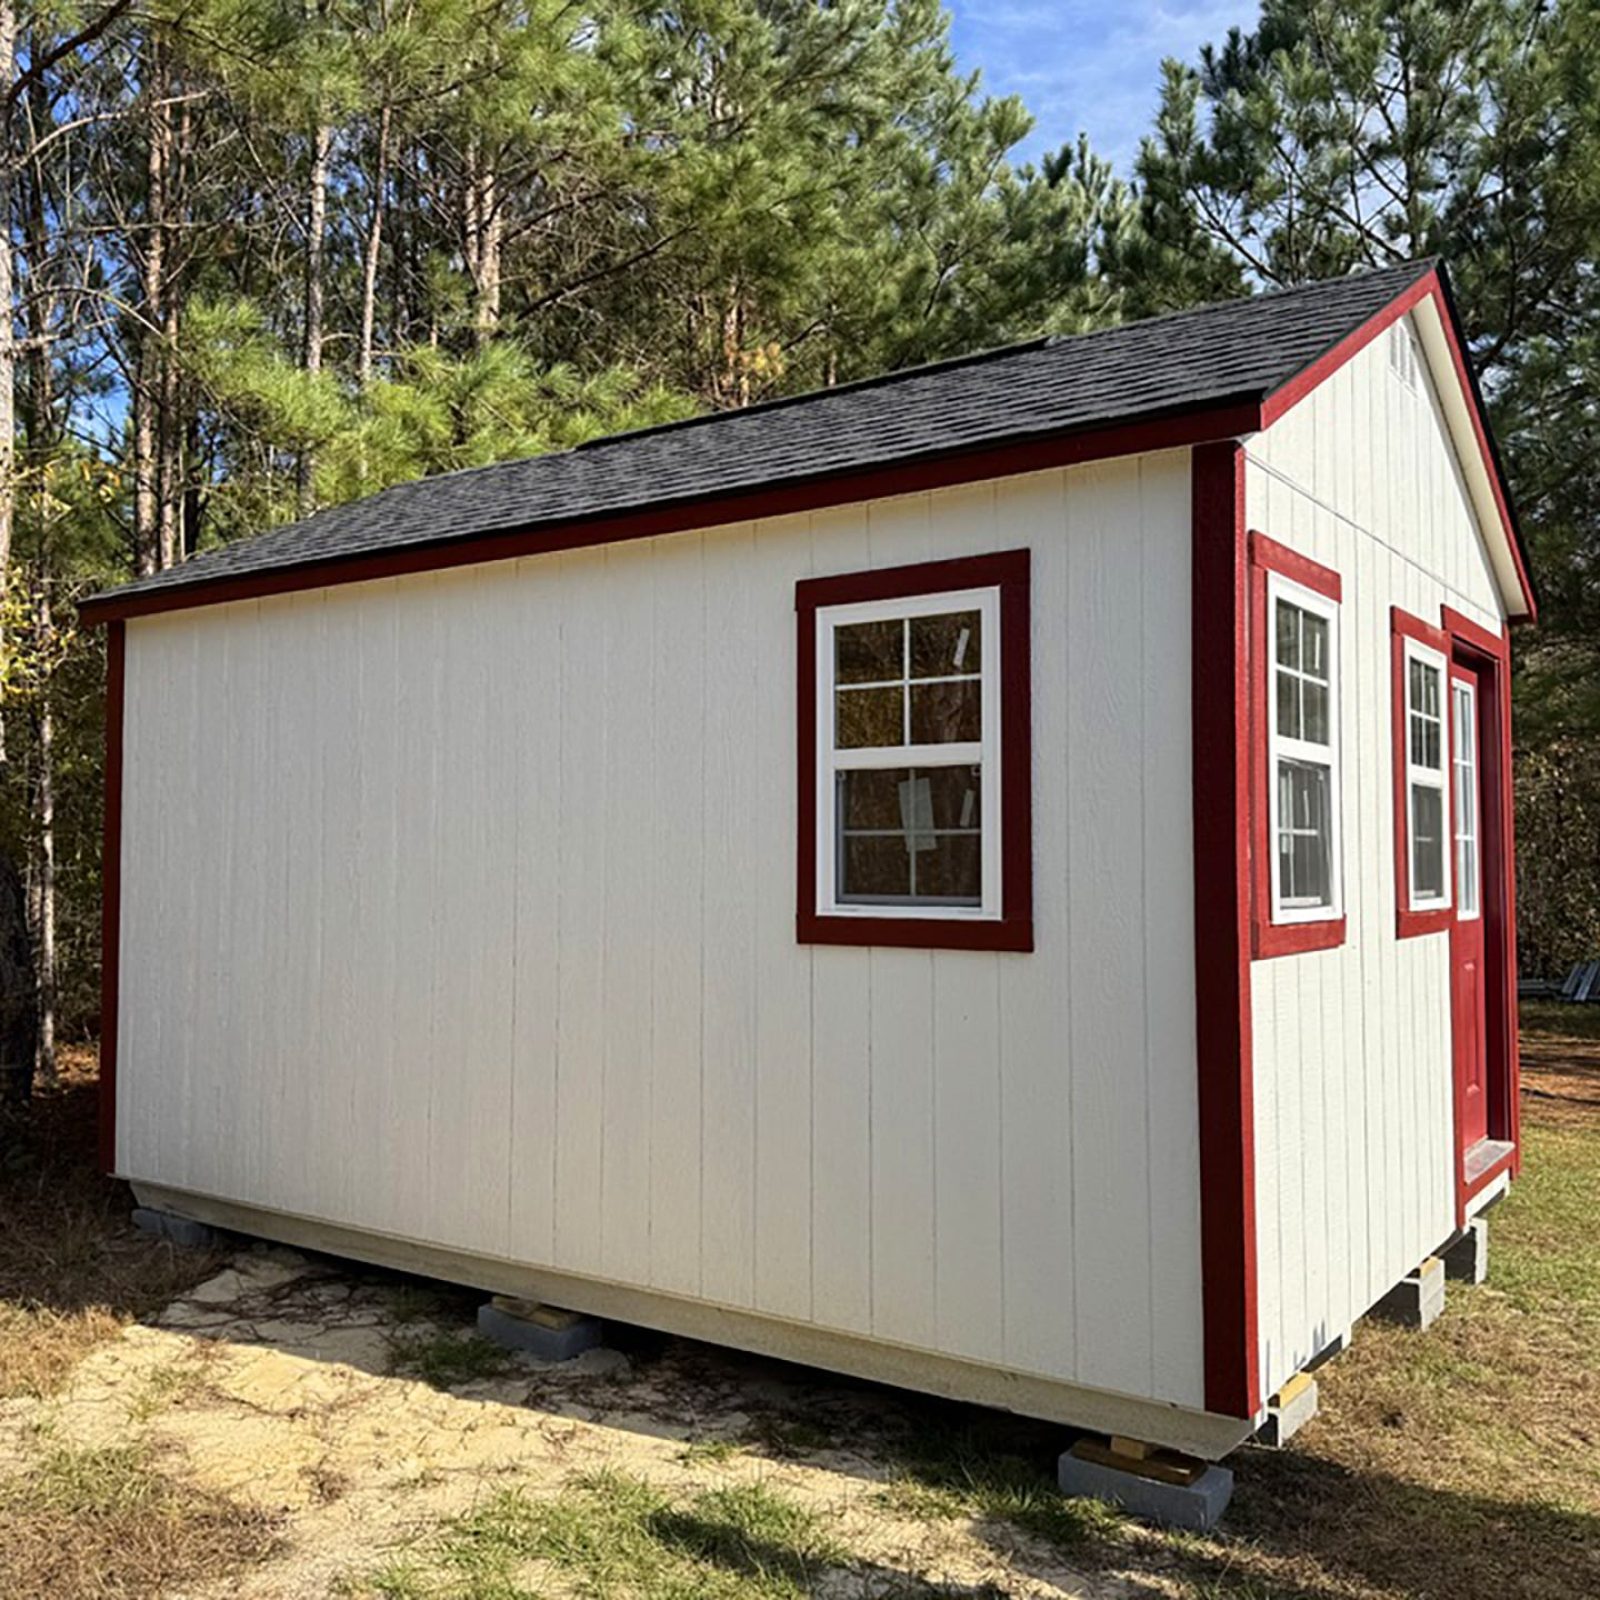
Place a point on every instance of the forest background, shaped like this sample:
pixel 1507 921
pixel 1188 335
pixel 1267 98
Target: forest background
pixel 262 256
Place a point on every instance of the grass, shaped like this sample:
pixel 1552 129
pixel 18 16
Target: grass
pixel 105 1524
pixel 611 1535
pixel 445 1359
pixel 73 1270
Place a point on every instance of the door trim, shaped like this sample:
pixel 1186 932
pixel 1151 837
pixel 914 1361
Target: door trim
pixel 1489 656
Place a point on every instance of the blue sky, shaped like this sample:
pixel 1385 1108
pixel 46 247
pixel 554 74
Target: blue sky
pixel 1093 64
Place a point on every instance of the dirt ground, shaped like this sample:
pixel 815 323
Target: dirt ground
pixel 279 1427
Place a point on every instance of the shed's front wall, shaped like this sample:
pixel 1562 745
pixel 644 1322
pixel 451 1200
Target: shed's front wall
pixel 461 908
pixel 1354 1116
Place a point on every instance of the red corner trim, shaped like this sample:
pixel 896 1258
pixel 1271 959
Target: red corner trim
pixel 111 894
pixel 1220 691
pixel 906 477
pixel 1009 571
pixel 1267 938
pixel 1429 286
pixel 1409 924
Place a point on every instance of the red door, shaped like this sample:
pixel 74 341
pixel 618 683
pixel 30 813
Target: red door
pixel 1468 993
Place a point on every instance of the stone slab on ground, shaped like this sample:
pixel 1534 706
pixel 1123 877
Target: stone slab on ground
pixel 1195 1507
pixel 1417 1300
pixel 546 1332
pixel 1467 1259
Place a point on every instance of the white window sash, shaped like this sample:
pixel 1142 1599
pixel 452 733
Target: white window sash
pixel 1418 776
pixel 1306 752
pixel 984 753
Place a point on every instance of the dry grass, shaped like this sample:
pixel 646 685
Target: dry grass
pixel 109 1525
pixel 73 1270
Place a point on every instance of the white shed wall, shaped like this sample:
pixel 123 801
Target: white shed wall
pixel 1352 1058
pixel 460 907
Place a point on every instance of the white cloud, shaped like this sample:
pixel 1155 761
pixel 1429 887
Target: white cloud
pixel 1087 64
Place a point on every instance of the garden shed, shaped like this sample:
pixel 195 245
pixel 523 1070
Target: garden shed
pixel 996 879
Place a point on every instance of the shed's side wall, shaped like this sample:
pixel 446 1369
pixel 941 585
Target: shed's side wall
pixel 1352 1064
pixel 461 907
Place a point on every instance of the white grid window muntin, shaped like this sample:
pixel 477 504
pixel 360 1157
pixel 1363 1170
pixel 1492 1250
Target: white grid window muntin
pixel 1464 763
pixel 1427 746
pixel 1303 711
pixel 981 753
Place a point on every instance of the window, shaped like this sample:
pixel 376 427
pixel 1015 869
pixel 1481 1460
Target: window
pixel 914 756
pixel 1422 763
pixel 1464 718
pixel 1297 795
pixel 1403 358
pixel 1305 762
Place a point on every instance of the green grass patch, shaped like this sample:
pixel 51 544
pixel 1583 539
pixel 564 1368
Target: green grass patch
pixel 445 1360
pixel 613 1536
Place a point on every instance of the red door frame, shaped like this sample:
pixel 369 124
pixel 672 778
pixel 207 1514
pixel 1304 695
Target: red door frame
pixel 1489 656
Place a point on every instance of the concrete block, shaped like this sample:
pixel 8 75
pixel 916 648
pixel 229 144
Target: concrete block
pixel 181 1231
pixel 1288 1411
pixel 1186 1494
pixel 1417 1300
pixel 546 1332
pixel 1467 1260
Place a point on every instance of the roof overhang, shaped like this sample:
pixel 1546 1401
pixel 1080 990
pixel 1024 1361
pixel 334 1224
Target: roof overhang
pixel 1231 418
pixel 1439 332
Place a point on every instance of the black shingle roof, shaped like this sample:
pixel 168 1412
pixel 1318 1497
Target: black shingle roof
pixel 1236 352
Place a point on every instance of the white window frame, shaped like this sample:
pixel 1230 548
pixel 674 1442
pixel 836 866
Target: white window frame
pixel 1428 777
pixel 1464 775
pixel 983 753
pixel 1281 747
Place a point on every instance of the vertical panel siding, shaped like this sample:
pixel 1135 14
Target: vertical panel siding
pixel 1354 1129
pixel 461 907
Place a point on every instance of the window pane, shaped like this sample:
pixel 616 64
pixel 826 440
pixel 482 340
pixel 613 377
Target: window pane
pixel 1314 645
pixel 946 713
pixel 944 646
pixel 1288 706
pixel 869 652
pixel 869 717
pixel 1288 634
pixel 871 799
pixel 874 867
pixel 954 793
pixel 1316 712
pixel 951 870
pixel 1427 841
pixel 1305 835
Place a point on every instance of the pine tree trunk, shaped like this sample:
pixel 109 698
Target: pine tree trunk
pixel 316 231
pixel 150 384
pixel 485 237
pixel 374 251
pixel 46 927
pixel 8 349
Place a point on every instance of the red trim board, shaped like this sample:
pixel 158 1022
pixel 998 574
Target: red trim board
pixel 1430 286
pixel 943 471
pixel 1411 924
pixel 1221 726
pixel 1268 938
pixel 111 892
pixel 1013 930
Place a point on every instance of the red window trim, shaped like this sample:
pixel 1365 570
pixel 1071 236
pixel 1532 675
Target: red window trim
pixel 1013 929
pixel 1268 938
pixel 1411 924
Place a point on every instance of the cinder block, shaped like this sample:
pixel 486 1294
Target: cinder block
pixel 181 1231
pixel 1467 1260
pixel 1288 1411
pixel 1193 1498
pixel 1417 1300
pixel 546 1332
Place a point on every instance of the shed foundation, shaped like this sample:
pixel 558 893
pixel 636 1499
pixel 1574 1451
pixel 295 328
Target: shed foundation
pixel 546 1332
pixel 1467 1260
pixel 181 1231
pixel 1156 1486
pixel 1417 1300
